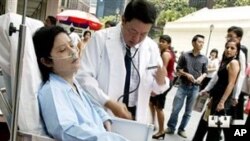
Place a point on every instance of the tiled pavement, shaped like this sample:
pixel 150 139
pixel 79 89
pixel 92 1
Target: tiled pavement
pixel 192 125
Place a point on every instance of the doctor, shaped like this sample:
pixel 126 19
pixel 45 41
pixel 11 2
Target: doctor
pixel 118 62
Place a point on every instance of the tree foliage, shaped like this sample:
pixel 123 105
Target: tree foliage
pixel 230 3
pixel 114 18
pixel 170 10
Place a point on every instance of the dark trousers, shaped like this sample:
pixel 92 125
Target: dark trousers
pixel 201 130
pixel 238 110
pixel 215 133
pixel 247 126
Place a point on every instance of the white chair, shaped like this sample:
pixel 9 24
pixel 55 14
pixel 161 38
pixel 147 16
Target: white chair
pixel 132 130
pixel 30 125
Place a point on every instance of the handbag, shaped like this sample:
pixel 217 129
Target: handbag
pixel 200 103
pixel 219 121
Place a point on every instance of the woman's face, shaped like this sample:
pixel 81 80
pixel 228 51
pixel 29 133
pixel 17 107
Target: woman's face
pixel 87 36
pixel 65 57
pixel 213 55
pixel 231 49
pixel 163 44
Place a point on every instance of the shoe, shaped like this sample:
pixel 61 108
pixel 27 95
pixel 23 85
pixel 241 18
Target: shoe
pixel 182 134
pixel 159 136
pixel 169 131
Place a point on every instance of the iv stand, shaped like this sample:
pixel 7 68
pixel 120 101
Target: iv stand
pixel 18 76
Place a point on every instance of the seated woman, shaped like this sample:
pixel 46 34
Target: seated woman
pixel 69 113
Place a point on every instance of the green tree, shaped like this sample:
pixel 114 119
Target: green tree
pixel 115 18
pixel 170 10
pixel 230 3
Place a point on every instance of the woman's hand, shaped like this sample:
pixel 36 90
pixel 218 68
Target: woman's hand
pixel 204 93
pixel 220 106
pixel 153 94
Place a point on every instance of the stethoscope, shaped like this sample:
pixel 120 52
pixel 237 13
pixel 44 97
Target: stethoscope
pixel 137 71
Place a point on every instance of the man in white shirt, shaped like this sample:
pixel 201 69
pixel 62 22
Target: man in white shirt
pixel 74 37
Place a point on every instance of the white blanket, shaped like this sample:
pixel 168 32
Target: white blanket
pixel 29 119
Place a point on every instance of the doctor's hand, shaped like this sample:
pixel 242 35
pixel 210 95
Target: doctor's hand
pixel 160 75
pixel 119 109
pixel 107 125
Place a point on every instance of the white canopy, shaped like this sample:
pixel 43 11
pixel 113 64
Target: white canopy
pixel 199 22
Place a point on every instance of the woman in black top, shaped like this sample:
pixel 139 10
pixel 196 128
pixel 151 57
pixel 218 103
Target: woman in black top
pixel 221 93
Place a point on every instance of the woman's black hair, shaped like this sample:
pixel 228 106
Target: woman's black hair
pixel 86 32
pixel 43 40
pixel 215 51
pixel 166 38
pixel 169 40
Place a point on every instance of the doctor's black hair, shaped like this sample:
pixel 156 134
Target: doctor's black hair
pixel 43 40
pixel 141 10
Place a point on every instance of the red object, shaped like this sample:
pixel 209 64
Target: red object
pixel 79 19
pixel 247 109
pixel 170 67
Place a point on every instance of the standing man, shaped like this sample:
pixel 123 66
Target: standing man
pixel 117 64
pixel 75 38
pixel 235 32
pixel 192 67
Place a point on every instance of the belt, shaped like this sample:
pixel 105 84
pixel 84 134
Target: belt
pixel 191 84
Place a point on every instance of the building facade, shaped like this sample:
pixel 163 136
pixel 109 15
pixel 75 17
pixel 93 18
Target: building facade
pixel 40 9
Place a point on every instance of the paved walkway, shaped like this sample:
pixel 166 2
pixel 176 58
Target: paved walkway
pixel 191 127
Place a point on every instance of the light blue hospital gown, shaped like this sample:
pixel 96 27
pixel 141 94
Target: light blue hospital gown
pixel 70 116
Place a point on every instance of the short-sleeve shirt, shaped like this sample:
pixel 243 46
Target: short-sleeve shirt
pixel 195 65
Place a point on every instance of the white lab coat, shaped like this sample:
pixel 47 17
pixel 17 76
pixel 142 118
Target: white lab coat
pixel 103 71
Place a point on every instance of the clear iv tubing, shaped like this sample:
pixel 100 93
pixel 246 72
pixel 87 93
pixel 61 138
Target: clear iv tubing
pixel 73 55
